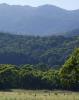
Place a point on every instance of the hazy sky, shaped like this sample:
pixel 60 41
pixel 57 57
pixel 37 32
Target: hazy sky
pixel 67 4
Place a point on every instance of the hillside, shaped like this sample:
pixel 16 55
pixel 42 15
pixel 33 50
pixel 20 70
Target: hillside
pixel 42 20
pixel 71 33
pixel 52 50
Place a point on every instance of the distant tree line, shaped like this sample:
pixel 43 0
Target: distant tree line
pixel 33 77
pixel 51 51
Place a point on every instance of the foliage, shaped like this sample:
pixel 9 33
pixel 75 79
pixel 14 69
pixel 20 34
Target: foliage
pixel 39 53
pixel 51 51
pixel 70 71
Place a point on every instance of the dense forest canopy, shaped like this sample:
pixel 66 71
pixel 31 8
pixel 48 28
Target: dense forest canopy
pixel 50 51
pixel 29 77
pixel 34 62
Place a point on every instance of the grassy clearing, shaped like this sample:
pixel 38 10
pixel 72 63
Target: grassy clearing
pixel 38 95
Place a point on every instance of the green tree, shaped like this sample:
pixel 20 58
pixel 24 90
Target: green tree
pixel 70 71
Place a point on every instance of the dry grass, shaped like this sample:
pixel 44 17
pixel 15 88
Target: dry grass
pixel 38 95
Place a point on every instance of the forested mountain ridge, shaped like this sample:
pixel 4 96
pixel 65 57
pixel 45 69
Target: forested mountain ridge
pixel 42 20
pixel 52 50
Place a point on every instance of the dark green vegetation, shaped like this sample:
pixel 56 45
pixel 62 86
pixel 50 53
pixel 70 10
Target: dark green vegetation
pixel 48 51
pixel 29 77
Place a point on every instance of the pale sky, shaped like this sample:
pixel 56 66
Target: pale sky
pixel 67 4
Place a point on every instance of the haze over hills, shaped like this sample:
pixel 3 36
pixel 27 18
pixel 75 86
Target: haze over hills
pixel 42 20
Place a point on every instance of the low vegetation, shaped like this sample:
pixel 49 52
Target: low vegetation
pixel 38 95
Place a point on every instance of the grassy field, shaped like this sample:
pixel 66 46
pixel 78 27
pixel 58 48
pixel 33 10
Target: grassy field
pixel 38 95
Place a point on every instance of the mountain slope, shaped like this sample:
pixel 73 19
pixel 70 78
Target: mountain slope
pixel 42 20
pixel 71 33
pixel 51 50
